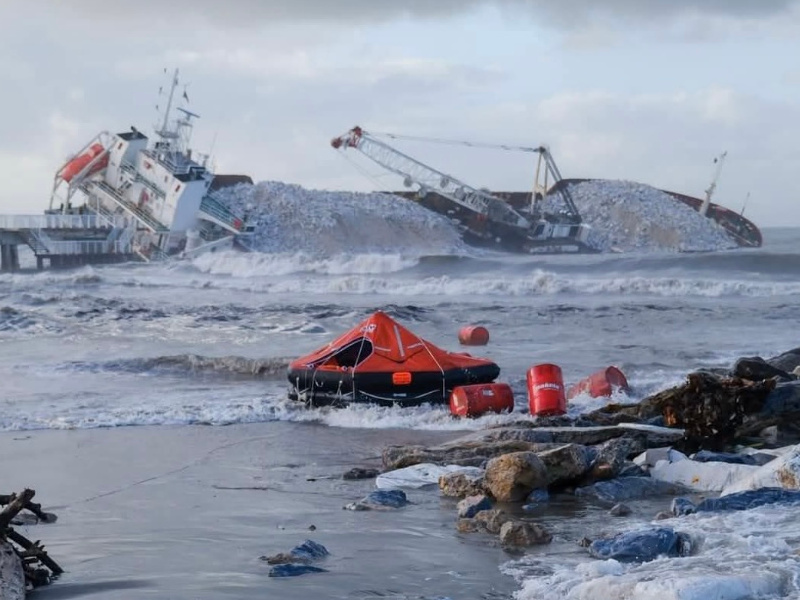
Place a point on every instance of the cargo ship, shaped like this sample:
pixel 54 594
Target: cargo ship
pixel 544 220
pixel 126 197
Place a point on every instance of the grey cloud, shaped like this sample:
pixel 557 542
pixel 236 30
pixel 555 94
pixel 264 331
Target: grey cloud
pixel 563 13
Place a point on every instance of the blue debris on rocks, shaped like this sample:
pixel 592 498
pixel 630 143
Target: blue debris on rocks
pixel 627 488
pixel 682 506
pixel 642 545
pixel 726 457
pixel 309 551
pixel 738 501
pixel 293 570
pixel 380 499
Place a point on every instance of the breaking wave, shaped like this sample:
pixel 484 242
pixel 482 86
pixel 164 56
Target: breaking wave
pixel 262 368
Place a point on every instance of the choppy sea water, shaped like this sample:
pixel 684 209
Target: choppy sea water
pixel 207 342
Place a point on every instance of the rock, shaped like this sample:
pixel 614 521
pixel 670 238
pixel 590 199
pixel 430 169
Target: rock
pixel 612 456
pixel 460 485
pixel 476 448
pixel 785 398
pixel 620 510
pixel 380 499
pixel 708 408
pixel 492 520
pixel 12 577
pixel 308 551
pixel 789 361
pixel 466 453
pixel 565 464
pixel 511 477
pixel 682 506
pixel 290 570
pixel 627 488
pixel 467 526
pixel 662 515
pixel 521 534
pixel 472 505
pixel 783 472
pixel 631 469
pixel 750 499
pixel 642 545
pixel 757 369
pixel 420 475
pixel 361 473
pixel 486 521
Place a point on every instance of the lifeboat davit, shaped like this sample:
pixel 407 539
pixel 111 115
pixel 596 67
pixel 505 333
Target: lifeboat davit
pixel 379 361
pixel 79 163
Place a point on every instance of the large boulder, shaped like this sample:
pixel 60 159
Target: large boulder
pixel 566 464
pixel 511 477
pixel 521 534
pixel 756 368
pixel 12 577
pixel 788 361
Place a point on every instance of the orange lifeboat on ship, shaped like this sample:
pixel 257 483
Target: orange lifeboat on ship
pixel 79 163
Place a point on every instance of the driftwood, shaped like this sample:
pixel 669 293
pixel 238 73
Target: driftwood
pixel 710 409
pixel 39 568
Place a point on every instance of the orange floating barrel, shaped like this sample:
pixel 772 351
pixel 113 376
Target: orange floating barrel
pixel 473 335
pixel 546 390
pixel 600 384
pixel 478 399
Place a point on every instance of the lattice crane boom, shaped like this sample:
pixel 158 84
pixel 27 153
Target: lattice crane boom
pixel 427 178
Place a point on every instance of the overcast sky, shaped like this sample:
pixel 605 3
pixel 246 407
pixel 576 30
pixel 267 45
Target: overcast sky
pixel 644 90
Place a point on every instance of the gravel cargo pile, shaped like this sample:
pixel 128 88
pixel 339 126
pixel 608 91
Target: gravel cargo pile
pixel 623 216
pixel 290 218
pixel 626 216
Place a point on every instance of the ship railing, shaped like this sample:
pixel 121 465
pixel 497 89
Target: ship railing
pixel 139 178
pixel 209 246
pixel 84 247
pixel 53 221
pixel 214 210
pixel 145 218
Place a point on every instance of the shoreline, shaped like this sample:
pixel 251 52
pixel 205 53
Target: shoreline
pixel 186 512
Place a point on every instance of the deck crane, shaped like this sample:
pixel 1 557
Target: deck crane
pixel 429 179
pixel 719 161
pixel 480 202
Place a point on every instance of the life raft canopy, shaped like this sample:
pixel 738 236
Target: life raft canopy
pixel 381 361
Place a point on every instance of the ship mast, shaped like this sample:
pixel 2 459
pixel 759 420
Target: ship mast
pixel 164 133
pixel 710 191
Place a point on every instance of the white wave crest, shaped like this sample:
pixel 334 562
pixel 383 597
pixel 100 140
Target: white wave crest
pixel 258 264
pixel 741 555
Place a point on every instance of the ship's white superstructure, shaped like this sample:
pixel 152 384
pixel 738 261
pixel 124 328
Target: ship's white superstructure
pixel 154 194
